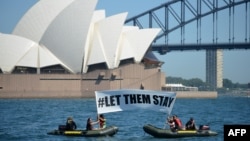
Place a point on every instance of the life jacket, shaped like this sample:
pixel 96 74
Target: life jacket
pixel 178 122
pixel 70 125
pixel 172 124
pixel 102 123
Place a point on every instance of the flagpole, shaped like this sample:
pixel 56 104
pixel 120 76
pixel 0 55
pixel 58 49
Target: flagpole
pixel 165 123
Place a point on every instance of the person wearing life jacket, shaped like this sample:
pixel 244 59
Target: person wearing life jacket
pixel 102 121
pixel 70 124
pixel 178 123
pixel 171 123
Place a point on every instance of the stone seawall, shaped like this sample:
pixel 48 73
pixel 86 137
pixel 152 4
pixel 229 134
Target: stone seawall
pixel 90 94
pixel 196 94
pixel 24 95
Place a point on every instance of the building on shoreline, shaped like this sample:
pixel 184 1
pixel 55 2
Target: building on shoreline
pixel 130 76
pixel 214 67
pixel 183 91
pixel 179 87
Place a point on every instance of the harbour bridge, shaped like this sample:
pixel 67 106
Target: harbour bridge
pixel 211 25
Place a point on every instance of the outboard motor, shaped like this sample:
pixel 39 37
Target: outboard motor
pixel 204 127
pixel 62 127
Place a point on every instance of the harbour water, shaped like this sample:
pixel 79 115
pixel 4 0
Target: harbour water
pixel 31 119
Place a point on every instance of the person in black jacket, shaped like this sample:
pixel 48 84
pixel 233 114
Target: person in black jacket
pixel 70 124
pixel 190 125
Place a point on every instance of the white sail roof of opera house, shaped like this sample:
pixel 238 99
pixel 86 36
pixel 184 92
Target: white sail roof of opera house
pixel 36 20
pixel 75 35
pixel 19 51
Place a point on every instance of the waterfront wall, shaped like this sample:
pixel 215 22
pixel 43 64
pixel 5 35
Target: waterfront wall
pixel 131 76
pixel 184 94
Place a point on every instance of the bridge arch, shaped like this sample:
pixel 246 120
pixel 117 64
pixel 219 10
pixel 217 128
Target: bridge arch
pixel 198 9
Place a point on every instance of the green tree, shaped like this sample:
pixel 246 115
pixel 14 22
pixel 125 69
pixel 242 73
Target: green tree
pixel 194 82
pixel 227 83
pixel 175 80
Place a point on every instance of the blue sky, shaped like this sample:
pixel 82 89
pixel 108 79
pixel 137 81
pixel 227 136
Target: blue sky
pixel 185 64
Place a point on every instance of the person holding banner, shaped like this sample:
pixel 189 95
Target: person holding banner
pixel 171 123
pixel 178 123
pixel 102 121
pixel 90 124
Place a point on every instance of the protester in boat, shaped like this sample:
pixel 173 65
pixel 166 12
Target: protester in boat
pixel 102 121
pixel 178 123
pixel 90 124
pixel 70 124
pixel 171 123
pixel 190 125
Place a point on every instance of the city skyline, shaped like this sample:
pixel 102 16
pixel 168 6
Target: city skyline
pixel 185 64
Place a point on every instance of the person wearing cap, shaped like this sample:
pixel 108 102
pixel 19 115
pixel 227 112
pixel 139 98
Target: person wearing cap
pixel 70 124
pixel 190 125
pixel 102 121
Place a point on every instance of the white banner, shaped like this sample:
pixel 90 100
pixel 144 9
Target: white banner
pixel 130 99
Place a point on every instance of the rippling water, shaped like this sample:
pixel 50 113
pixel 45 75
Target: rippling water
pixel 31 119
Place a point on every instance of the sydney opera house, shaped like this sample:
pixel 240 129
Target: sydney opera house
pixel 67 48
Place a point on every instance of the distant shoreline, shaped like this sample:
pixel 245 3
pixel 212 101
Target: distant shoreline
pixel 238 93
